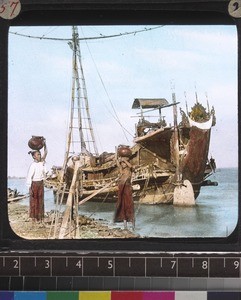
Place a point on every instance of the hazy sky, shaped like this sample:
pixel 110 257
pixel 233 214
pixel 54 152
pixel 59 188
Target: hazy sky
pixel 190 59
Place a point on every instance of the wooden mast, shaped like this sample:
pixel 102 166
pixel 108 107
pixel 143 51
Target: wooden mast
pixel 80 138
pixel 80 134
pixel 176 138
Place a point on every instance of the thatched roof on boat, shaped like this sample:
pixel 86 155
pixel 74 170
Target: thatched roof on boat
pixel 149 102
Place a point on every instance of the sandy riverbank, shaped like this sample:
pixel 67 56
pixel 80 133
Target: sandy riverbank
pixel 89 228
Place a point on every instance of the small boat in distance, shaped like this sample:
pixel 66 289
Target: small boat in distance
pixel 14 195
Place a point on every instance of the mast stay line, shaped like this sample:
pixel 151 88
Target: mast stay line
pixel 88 38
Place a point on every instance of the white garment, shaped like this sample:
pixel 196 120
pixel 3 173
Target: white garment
pixel 36 172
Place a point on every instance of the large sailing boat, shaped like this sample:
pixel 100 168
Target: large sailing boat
pixel 170 162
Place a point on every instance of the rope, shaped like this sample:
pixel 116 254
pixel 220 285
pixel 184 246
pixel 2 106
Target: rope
pixel 100 204
pixel 115 116
pixel 87 38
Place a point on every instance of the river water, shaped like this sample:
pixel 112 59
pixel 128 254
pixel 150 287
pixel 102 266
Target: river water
pixel 215 213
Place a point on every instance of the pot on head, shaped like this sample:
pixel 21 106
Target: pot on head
pixel 36 142
pixel 124 151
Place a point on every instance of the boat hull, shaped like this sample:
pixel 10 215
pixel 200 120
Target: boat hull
pixel 163 159
pixel 194 162
pixel 154 178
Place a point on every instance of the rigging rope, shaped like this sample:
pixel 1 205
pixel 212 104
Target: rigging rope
pixel 43 37
pixel 87 38
pixel 115 116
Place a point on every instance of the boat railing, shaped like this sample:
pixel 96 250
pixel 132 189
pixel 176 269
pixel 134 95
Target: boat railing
pixel 98 183
pixel 143 173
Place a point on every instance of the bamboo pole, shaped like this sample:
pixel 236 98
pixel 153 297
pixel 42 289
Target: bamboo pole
pixel 76 205
pixel 69 203
pixel 96 192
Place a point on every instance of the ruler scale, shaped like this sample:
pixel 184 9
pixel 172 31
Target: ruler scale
pixel 109 265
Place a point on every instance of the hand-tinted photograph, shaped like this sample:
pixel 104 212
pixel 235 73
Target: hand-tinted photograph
pixel 122 132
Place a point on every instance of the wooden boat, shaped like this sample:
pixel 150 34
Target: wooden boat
pixel 168 160
pixel 14 195
pixel 158 166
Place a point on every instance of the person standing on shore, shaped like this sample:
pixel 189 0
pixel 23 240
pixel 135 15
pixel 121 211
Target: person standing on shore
pixel 125 205
pixel 35 182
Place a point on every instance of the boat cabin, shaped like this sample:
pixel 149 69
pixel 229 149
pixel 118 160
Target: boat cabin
pixel 147 105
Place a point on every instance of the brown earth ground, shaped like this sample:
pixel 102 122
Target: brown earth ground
pixel 89 228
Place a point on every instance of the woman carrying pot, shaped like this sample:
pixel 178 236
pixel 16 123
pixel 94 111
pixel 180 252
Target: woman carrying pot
pixel 125 205
pixel 35 182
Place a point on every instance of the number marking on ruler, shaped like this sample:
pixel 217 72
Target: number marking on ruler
pixel 141 266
